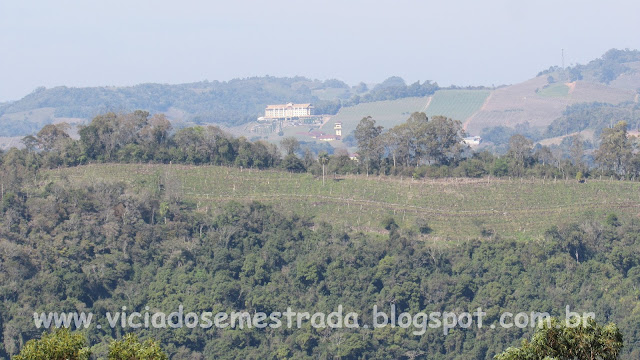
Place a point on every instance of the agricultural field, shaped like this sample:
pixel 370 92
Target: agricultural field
pixel 456 104
pixel 456 209
pixel 387 113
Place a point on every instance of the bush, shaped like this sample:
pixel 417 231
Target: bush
pixel 389 223
pixel 423 225
pixel 612 220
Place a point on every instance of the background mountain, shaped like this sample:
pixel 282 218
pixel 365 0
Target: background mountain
pixel 543 107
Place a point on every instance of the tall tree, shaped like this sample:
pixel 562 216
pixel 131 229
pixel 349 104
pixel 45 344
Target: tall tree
pixel 323 158
pixel 443 141
pixel 615 149
pixel 51 136
pixel 290 145
pixel 519 152
pixel 369 145
pixel 577 150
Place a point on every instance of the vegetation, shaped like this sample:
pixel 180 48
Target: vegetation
pixel 604 69
pixel 580 338
pixel 228 103
pixel 60 344
pixel 596 116
pixel 130 348
pixel 104 246
pixel 457 104
pixel 554 90
pixel 203 227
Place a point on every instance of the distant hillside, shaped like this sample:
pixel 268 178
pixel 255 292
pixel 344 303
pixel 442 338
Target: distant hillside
pixel 226 103
pixel 612 79
pixel 614 68
pixel 536 103
pixel 456 104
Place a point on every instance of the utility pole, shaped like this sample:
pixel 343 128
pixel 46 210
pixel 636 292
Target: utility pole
pixel 562 59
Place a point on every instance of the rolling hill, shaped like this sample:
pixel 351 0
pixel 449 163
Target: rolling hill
pixel 612 79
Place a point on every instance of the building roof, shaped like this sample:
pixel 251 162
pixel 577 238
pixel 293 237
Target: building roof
pixel 288 106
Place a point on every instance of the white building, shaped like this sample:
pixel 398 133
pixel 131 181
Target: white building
pixel 289 110
pixel 472 140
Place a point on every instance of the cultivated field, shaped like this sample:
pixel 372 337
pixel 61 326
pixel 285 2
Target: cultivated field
pixel 456 104
pixel 455 208
pixel 386 113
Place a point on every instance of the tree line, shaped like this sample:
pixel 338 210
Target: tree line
pixel 420 147
pixel 435 148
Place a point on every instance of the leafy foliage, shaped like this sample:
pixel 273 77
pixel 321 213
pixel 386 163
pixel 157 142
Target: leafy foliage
pixel 130 348
pixel 59 344
pixel 580 338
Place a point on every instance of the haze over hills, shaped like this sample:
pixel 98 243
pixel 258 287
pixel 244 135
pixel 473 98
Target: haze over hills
pixel 536 103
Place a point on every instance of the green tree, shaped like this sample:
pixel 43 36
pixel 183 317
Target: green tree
pixel 51 136
pixel 61 344
pixel 130 348
pixel 580 338
pixel 519 152
pixel 367 136
pixel 443 141
pixel 290 145
pixel 577 151
pixel 323 159
pixel 615 149
pixel 293 163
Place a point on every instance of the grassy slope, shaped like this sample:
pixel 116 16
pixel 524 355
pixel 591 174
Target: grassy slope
pixel 457 104
pixel 554 90
pixel 456 209
pixel 386 113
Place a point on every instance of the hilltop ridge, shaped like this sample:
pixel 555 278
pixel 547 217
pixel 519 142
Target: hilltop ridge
pixel 538 102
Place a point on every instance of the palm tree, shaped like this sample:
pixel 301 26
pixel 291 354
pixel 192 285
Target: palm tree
pixel 323 158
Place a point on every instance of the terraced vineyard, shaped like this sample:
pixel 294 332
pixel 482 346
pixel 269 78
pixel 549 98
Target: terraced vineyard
pixel 455 208
pixel 456 104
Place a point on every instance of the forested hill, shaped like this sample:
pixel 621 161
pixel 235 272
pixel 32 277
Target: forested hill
pixel 227 103
pixel 613 65
pixel 611 79
pixel 230 102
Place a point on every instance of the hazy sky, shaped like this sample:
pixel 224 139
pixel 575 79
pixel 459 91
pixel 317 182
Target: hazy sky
pixel 91 43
